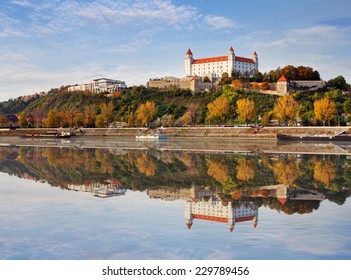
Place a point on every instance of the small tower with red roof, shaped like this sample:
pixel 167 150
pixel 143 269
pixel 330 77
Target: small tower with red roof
pixel 188 61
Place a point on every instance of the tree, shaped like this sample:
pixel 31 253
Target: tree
pixel 99 121
pixel 107 112
pixel 52 119
pixel 237 84
pixel 218 109
pixel 264 86
pixel 89 115
pixel 22 120
pixel 246 169
pixel 146 113
pixel 339 82
pixel 218 170
pixel 193 113
pixel 324 110
pixel 324 171
pixel 246 110
pixel 286 108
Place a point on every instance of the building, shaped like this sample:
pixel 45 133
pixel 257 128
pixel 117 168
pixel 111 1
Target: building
pixel 100 85
pixel 284 86
pixel 192 83
pixel 213 67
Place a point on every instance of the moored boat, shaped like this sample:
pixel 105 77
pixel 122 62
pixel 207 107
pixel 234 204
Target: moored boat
pixel 152 136
pixel 323 137
pixel 60 134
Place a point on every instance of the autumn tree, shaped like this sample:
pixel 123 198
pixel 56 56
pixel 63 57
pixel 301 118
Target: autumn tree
pixel 218 170
pixel 218 109
pixel 286 172
pixel 264 86
pixel 324 110
pixel 237 84
pixel 324 171
pixel 246 169
pixel 146 113
pixel 146 165
pixel 52 119
pixel 246 110
pixel 89 115
pixel 22 120
pixel 107 112
pixel 286 108
pixel 72 117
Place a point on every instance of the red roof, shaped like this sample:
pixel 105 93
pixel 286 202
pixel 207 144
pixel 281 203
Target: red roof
pixel 220 219
pixel 282 200
pixel 210 59
pixel 231 229
pixel 231 49
pixel 283 79
pixel 189 225
pixel 189 52
pixel 255 53
pixel 244 59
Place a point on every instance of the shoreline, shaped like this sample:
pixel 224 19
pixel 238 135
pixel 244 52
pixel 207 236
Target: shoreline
pixel 192 132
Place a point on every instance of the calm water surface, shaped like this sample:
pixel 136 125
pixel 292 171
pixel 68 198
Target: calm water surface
pixel 112 199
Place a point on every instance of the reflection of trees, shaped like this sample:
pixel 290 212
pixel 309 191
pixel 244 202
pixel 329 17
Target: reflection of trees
pixel 246 169
pixel 146 165
pixel 218 170
pixel 286 172
pixel 324 171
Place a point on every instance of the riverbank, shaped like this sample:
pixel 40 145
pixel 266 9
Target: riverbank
pixel 202 132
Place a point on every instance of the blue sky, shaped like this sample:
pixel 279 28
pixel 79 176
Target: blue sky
pixel 46 44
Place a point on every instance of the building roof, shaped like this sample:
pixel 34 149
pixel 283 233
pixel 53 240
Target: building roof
pixel 231 49
pixel 255 53
pixel 244 59
pixel 210 59
pixel 283 79
pixel 189 52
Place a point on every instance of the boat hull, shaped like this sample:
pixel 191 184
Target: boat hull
pixel 344 137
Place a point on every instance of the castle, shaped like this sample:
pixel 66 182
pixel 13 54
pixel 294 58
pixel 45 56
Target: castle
pixel 214 67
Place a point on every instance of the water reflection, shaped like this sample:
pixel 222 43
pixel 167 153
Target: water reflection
pixel 274 180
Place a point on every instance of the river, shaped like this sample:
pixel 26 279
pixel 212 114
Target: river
pixel 118 198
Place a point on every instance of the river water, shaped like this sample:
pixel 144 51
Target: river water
pixel 111 198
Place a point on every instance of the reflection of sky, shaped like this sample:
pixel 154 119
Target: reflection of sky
pixel 41 222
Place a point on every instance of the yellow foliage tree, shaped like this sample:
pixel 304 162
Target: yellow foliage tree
pixel 89 115
pixel 246 110
pixel 324 110
pixel 286 108
pixel 218 170
pixel 246 170
pixel 218 109
pixel 286 172
pixel 324 171
pixel 146 165
pixel 146 112
pixel 107 112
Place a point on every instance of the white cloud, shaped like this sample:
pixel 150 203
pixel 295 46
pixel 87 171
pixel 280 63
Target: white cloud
pixel 219 22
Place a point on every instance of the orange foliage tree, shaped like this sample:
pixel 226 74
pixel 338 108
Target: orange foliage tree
pixel 264 86
pixel 324 110
pixel 286 172
pixel 237 84
pixel 218 170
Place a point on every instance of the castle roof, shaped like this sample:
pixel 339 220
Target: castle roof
pixel 222 58
pixel 255 53
pixel 283 79
pixel 231 49
pixel 244 59
pixel 210 59
pixel 189 52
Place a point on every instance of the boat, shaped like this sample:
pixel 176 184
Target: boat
pixel 151 136
pixel 57 134
pixel 322 137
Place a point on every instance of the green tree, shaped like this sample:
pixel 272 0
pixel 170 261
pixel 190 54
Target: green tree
pixel 52 119
pixel 22 120
pixel 339 82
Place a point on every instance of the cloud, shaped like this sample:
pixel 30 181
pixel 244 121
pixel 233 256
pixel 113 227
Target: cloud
pixel 219 22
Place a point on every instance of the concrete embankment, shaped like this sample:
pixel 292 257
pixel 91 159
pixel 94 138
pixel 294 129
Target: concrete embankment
pixel 217 132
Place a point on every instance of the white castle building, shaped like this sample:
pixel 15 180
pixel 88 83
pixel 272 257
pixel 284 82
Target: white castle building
pixel 216 66
pixel 100 85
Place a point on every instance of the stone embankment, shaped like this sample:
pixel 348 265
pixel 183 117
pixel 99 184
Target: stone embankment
pixel 217 132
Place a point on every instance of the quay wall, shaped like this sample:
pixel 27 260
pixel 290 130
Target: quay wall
pixel 225 132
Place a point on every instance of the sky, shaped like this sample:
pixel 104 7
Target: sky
pixel 47 44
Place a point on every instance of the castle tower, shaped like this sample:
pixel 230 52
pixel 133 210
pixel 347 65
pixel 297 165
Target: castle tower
pixel 188 214
pixel 255 59
pixel 188 61
pixel 231 61
pixel 231 217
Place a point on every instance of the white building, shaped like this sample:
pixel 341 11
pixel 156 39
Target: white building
pixel 216 66
pixel 100 85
